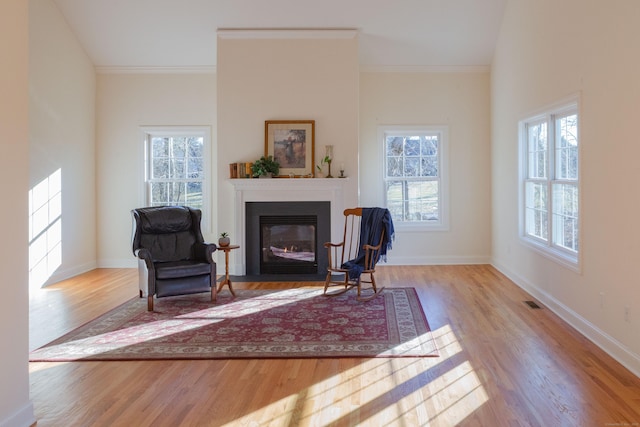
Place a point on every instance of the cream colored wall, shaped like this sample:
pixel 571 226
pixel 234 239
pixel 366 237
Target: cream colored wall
pixel 125 102
pixel 589 48
pixel 15 407
pixel 285 79
pixel 461 102
pixel 62 130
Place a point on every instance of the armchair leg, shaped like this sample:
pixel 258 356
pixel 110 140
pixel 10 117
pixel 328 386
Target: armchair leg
pixel 150 303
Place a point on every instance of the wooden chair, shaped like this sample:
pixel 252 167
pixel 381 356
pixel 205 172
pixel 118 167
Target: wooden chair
pixel 362 245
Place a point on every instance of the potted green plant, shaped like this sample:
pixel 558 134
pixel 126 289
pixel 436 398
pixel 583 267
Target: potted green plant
pixel 265 167
pixel 224 239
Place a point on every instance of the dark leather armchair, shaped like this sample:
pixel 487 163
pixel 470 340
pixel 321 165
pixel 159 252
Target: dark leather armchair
pixel 173 258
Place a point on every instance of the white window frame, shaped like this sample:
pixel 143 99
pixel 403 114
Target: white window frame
pixel 442 224
pixel 174 131
pixel 547 248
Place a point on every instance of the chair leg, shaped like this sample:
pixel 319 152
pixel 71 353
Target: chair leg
pixel 150 303
pixel 326 282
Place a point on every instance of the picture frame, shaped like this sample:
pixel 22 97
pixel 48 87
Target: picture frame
pixel 292 145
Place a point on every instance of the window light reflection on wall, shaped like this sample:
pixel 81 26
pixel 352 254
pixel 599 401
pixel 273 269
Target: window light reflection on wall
pixel 45 229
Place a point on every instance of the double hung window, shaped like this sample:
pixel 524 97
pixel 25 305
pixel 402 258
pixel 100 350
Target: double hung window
pixel 415 175
pixel 549 145
pixel 176 166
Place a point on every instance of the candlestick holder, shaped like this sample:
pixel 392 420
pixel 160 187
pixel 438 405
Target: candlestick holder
pixel 329 170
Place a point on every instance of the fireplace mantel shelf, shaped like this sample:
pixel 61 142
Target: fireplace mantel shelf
pixel 280 184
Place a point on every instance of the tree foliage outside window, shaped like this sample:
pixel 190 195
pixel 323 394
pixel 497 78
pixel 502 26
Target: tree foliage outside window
pixel 413 175
pixel 550 147
pixel 176 169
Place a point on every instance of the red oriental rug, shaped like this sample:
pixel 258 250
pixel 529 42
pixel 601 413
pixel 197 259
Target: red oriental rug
pixel 291 323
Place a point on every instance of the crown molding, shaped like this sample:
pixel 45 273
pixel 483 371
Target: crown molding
pixel 287 33
pixel 157 70
pixel 425 68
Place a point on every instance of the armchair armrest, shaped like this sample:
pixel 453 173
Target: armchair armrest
pixel 144 255
pixel 204 251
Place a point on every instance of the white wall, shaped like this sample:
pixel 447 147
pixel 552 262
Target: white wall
pixel 546 51
pixel 125 102
pixel 62 131
pixel 294 77
pixel 15 406
pixel 461 102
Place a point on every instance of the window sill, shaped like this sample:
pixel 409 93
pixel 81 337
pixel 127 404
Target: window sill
pixel 559 257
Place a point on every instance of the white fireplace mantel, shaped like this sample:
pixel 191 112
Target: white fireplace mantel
pixel 285 190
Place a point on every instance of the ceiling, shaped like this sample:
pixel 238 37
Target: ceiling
pixel 182 33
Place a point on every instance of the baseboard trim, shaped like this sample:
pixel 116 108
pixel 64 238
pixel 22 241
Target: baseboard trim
pixel 435 260
pixel 25 417
pixel 60 275
pixel 118 263
pixel 606 342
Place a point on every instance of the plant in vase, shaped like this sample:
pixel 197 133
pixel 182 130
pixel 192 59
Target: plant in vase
pixel 327 160
pixel 265 167
pixel 224 239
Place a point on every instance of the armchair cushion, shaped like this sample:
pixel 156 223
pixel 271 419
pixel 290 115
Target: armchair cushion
pixel 176 269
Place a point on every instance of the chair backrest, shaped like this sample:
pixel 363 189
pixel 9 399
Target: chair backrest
pixel 168 232
pixel 354 239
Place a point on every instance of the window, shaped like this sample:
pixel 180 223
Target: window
pixel 176 166
pixel 415 176
pixel 549 145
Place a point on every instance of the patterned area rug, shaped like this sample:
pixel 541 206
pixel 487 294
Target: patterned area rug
pixel 292 323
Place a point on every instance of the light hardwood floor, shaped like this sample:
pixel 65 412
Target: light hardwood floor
pixel 501 363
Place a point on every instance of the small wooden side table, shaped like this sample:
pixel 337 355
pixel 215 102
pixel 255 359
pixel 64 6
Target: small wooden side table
pixel 227 280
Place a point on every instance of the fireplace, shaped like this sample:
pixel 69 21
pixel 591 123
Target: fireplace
pixel 287 237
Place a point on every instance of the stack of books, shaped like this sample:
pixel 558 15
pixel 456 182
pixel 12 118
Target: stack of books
pixel 240 170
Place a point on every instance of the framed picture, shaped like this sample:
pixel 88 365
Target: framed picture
pixel 291 143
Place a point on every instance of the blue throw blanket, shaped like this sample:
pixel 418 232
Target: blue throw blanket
pixel 374 220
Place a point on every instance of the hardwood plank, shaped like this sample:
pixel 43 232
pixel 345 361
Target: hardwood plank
pixel 501 363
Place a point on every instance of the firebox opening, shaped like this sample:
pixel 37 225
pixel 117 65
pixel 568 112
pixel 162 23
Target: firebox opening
pixel 287 238
pixel 288 244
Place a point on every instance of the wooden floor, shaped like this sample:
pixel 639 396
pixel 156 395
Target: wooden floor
pixel 501 364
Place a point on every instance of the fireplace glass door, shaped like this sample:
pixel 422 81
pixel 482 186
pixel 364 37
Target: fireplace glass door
pixel 288 244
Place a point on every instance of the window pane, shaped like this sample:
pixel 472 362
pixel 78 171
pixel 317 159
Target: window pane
pixel 413 201
pixel 411 166
pixel 177 169
pixel 422 204
pixel 565 216
pixel 194 195
pixel 177 193
pixel 430 146
pixel 394 199
pixel 412 146
pixel 196 146
pixel 536 211
pixel 395 166
pixel 160 169
pixel 178 147
pixel 158 193
pixel 160 147
pixel 394 145
pixel 195 168
pixel 429 166
pixel 567 147
pixel 537 147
